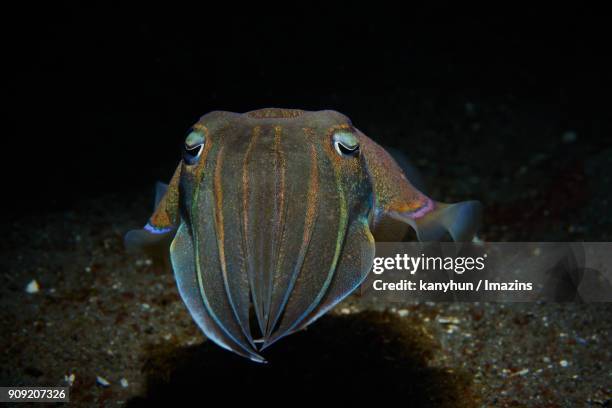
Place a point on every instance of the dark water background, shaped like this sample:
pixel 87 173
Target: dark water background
pixel 507 106
pixel 104 95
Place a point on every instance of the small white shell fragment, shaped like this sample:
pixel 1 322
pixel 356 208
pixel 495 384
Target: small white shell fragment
pixel 102 381
pixel 448 320
pixel 451 328
pixel 144 262
pixel 402 313
pixel 69 379
pixel 522 372
pixel 32 287
pixel 563 363
pixel 124 382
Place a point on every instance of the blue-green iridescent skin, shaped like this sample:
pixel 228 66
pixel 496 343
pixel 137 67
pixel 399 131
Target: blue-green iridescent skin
pixel 274 214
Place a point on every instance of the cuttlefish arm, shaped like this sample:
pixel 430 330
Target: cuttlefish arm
pixel 162 225
pixel 398 204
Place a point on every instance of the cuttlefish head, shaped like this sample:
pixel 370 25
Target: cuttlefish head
pixel 274 213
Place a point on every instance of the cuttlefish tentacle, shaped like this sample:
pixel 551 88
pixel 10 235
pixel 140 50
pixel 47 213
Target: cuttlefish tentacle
pixel 276 213
pixel 352 270
pixel 285 280
pixel 280 207
pixel 220 268
pixel 309 291
pixel 246 227
pixel 182 257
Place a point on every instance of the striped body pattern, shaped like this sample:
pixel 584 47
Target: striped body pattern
pixel 273 215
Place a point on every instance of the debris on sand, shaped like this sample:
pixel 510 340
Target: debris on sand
pixel 144 262
pixel 69 379
pixel 102 381
pixel 448 320
pixel 33 287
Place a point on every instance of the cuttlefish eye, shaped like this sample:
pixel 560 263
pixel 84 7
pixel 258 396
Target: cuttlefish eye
pixel 194 144
pixel 346 144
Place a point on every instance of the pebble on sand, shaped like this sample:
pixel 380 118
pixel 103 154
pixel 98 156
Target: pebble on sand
pixel 69 379
pixel 102 381
pixel 124 382
pixel 448 320
pixel 33 287
pixel 524 371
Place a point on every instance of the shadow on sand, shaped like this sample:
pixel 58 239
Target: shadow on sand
pixel 369 356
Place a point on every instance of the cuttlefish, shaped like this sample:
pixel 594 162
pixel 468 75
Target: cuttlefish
pixel 273 217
